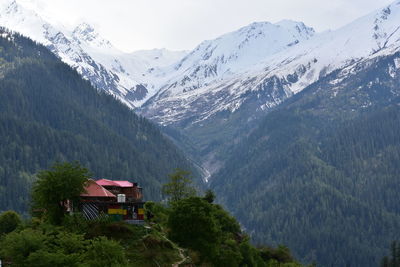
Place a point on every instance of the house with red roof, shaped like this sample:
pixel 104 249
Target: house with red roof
pixel 132 191
pixel 120 200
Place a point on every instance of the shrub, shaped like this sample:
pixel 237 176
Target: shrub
pixel 9 221
pixel 104 252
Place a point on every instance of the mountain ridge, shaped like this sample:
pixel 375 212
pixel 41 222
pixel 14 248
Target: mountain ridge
pixel 83 48
pixel 230 109
pixel 295 68
pixel 248 58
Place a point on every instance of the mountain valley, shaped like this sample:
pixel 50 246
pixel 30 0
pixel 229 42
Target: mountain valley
pixel 297 131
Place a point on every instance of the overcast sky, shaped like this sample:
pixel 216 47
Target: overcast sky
pixel 182 24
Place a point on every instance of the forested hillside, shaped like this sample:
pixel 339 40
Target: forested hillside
pixel 48 113
pixel 186 230
pixel 321 172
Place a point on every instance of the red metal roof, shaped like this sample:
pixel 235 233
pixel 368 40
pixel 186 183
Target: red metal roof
pixel 95 190
pixel 124 183
pixel 106 182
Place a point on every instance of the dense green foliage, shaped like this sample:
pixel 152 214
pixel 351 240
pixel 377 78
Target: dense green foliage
pixel 104 243
pixel 394 259
pixel 207 235
pixel 193 225
pixel 45 245
pixel 9 221
pixel 321 172
pixel 48 113
pixel 71 240
pixel 216 237
pixel 58 187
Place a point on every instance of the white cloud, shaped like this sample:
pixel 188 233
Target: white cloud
pixel 182 24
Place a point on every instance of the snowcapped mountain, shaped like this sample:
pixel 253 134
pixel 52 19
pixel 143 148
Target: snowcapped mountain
pixel 257 66
pixel 232 53
pixel 124 75
pixel 263 64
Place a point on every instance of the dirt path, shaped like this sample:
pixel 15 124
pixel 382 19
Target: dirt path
pixel 181 261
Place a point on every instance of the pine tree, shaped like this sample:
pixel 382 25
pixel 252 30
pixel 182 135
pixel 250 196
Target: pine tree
pixel 395 262
pixel 179 186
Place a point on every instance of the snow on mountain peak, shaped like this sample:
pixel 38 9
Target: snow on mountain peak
pixel 265 63
pixel 278 32
pixel 83 48
pixel 386 25
pixel 84 29
pixel 10 6
pixel 234 52
pixel 86 33
pixel 18 18
pixel 300 27
pixel 288 55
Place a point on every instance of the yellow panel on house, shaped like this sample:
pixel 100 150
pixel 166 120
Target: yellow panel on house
pixel 140 211
pixel 117 211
